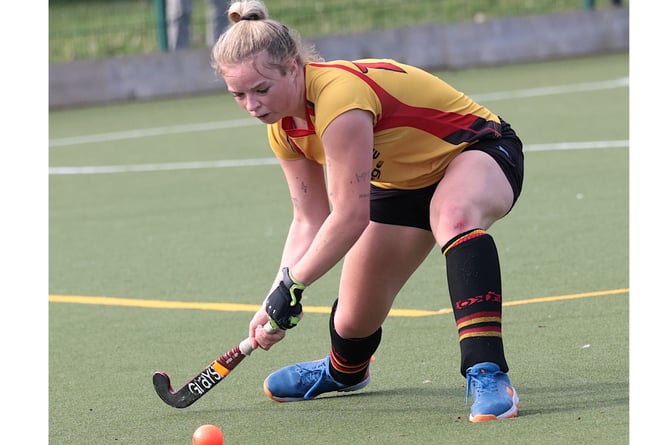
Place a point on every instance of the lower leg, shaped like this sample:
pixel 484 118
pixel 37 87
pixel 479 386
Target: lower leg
pixel 475 285
pixel 349 358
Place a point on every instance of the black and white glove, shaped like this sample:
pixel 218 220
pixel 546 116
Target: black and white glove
pixel 283 304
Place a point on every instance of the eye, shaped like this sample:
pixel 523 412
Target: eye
pixel 263 90
pixel 237 95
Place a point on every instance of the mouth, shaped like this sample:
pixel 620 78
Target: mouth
pixel 266 118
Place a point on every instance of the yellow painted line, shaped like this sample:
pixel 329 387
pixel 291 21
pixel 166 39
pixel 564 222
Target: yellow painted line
pixel 238 307
pixel 158 304
pixel 601 293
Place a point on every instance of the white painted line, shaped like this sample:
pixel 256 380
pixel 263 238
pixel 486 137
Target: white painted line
pixel 156 131
pixel 558 89
pixel 93 170
pixel 237 123
pixel 133 168
pixel 577 145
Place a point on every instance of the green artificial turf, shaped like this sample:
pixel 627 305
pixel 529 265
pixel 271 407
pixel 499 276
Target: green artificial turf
pixel 215 235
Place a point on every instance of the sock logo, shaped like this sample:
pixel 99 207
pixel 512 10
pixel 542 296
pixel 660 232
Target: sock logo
pixel 489 296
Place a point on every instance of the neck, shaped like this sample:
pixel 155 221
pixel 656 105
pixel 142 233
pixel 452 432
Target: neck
pixel 299 111
pixel 299 122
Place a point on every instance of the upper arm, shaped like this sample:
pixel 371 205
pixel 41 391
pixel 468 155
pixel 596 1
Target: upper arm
pixel 349 142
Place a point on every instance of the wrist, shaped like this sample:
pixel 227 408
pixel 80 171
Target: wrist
pixel 288 277
pixel 283 304
pixel 295 288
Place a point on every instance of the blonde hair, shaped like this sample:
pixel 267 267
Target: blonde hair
pixel 251 32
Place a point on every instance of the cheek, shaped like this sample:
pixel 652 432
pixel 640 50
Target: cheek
pixel 277 100
pixel 240 102
pixel 270 101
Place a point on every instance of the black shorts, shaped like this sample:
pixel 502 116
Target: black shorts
pixel 412 207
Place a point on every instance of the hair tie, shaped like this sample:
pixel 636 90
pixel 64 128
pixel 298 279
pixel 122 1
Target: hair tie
pixel 252 16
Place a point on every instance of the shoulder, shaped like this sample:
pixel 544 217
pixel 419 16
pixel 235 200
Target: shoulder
pixel 336 82
pixel 279 142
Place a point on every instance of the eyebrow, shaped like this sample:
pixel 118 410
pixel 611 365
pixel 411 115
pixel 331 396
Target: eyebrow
pixel 258 86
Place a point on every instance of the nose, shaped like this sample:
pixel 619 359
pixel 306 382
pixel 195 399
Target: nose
pixel 252 103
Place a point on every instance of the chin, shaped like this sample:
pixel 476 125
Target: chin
pixel 268 119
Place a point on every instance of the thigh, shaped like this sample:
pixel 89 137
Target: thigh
pixel 474 193
pixel 373 273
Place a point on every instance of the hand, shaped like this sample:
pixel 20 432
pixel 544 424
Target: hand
pixel 283 304
pixel 259 334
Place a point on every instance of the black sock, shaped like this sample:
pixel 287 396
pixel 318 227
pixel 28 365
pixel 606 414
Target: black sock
pixel 349 358
pixel 475 286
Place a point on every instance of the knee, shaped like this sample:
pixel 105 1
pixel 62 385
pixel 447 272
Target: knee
pixel 451 219
pixel 352 328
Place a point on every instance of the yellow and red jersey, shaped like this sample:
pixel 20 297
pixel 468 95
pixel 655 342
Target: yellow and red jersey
pixel 420 122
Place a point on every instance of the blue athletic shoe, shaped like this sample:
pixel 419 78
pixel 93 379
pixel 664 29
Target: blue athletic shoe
pixel 304 381
pixel 494 397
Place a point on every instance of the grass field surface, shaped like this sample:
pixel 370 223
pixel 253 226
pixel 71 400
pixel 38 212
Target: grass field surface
pixel 166 221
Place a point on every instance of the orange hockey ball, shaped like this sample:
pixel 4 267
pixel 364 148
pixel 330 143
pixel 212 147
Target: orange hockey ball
pixel 208 435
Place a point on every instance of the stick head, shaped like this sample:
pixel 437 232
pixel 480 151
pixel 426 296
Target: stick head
pixel 163 387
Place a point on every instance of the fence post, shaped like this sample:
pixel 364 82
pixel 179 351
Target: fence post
pixel 161 24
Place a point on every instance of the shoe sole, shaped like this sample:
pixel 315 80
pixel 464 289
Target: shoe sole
pixel 512 412
pixel 355 387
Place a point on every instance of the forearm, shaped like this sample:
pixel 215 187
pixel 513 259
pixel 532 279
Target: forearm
pixel 298 240
pixel 334 239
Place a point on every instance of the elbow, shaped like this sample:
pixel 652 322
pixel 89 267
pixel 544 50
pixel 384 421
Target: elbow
pixel 357 222
pixel 350 220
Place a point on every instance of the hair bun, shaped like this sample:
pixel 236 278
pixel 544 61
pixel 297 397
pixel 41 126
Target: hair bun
pixel 247 10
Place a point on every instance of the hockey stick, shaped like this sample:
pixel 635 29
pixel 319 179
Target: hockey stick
pixel 209 377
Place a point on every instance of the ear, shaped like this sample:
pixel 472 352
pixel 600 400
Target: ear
pixel 293 68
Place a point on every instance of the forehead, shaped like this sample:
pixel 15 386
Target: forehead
pixel 249 73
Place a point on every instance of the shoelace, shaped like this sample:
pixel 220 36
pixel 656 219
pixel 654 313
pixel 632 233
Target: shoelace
pixel 308 376
pixel 313 378
pixel 484 382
